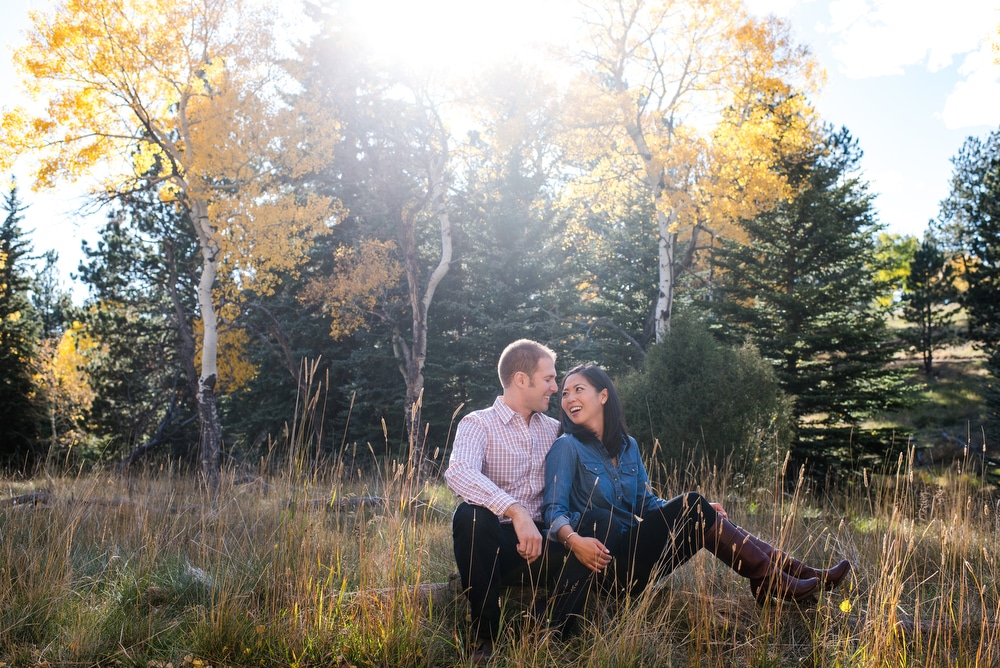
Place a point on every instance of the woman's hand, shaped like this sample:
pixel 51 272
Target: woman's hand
pixel 590 552
pixel 719 509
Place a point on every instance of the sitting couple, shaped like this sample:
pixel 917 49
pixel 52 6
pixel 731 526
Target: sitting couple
pixel 556 514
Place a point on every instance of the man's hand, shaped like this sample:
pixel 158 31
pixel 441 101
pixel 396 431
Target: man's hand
pixel 529 540
pixel 719 509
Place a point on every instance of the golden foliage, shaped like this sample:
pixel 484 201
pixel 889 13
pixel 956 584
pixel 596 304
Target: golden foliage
pixel 189 97
pixel 693 104
pixel 360 281
pixel 235 371
pixel 185 94
pixel 64 384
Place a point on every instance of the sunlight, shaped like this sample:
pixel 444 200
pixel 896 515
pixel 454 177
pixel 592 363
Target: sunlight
pixel 459 35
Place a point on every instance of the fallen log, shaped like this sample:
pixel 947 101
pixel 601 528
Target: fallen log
pixel 430 593
pixel 31 498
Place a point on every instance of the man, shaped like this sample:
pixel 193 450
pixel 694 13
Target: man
pixel 497 466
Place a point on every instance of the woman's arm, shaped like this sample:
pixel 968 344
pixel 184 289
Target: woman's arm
pixel 560 474
pixel 588 551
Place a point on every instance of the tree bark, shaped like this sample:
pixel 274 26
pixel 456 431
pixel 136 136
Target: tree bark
pixel 208 414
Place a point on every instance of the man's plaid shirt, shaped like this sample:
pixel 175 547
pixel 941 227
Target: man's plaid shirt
pixel 499 459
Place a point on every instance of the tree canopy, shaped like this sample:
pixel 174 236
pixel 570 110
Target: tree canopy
pixel 184 98
pixel 804 288
pixel 308 251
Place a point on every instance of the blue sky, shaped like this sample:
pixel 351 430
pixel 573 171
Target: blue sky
pixel 911 79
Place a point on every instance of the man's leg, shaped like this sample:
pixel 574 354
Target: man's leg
pixel 485 552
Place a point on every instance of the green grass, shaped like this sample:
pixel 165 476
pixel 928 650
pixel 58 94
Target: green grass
pixel 947 411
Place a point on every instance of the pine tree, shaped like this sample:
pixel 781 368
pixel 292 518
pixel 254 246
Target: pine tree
pixel 930 290
pixel 803 288
pixel 19 331
pixel 970 228
pixel 140 277
pixel 52 304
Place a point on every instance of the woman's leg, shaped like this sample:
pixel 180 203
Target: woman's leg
pixel 740 552
pixel 829 577
pixel 665 539
pixel 688 522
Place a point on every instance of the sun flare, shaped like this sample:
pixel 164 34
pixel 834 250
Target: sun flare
pixel 460 35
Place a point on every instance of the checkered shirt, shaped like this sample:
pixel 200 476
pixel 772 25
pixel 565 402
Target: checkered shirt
pixel 499 459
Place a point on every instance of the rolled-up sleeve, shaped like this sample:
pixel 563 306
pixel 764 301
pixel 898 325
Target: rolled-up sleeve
pixel 560 470
pixel 465 476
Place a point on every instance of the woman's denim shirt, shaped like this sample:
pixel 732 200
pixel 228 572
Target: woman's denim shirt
pixel 580 475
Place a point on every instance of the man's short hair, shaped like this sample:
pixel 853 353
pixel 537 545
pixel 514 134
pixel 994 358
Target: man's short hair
pixel 521 355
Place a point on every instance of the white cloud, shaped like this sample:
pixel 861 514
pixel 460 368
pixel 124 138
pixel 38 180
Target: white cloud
pixel 882 37
pixel 975 100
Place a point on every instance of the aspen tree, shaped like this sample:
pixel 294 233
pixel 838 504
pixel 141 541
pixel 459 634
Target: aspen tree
pixel 185 96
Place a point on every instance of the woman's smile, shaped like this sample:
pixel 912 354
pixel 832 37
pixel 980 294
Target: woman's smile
pixel 583 403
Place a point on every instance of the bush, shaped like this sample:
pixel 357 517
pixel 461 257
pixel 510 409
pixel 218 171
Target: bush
pixel 697 396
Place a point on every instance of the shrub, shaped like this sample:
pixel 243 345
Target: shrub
pixel 697 396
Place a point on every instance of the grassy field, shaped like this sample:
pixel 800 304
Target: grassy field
pixel 294 571
pixel 333 568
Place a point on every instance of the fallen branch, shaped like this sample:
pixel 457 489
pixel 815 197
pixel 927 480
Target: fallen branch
pixel 32 498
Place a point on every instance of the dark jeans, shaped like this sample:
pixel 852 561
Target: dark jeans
pixel 665 539
pixel 487 558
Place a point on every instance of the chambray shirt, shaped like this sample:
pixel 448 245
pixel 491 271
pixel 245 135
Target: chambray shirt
pixel 580 475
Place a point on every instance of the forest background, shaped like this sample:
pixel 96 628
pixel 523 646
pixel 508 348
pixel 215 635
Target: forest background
pixel 670 206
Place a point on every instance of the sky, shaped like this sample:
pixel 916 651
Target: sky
pixel 910 79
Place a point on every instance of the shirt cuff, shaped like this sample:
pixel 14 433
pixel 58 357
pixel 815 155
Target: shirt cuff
pixel 557 523
pixel 499 503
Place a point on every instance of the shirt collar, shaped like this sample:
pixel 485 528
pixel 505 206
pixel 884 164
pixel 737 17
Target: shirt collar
pixel 506 412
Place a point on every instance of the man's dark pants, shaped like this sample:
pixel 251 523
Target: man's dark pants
pixel 487 558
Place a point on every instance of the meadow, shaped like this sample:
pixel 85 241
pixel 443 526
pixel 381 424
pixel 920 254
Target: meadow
pixel 348 562
pixel 332 569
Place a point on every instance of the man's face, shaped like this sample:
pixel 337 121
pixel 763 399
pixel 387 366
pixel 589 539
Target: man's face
pixel 541 386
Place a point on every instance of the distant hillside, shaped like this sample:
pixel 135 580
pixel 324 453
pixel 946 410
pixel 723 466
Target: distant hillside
pixel 948 412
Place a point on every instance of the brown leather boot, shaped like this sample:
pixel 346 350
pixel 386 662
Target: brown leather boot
pixel 735 548
pixel 828 577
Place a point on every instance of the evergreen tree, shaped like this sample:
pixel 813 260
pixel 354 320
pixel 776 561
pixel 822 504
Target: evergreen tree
pixel 969 226
pixel 803 289
pixel 19 331
pixel 140 276
pixel 699 398
pixel 52 304
pixel 930 291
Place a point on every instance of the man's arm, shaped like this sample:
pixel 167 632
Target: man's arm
pixel 465 475
pixel 529 540
pixel 465 478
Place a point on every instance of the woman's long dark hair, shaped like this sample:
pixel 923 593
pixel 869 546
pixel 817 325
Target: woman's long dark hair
pixel 615 429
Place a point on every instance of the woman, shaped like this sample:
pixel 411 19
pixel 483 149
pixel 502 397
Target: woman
pixel 599 505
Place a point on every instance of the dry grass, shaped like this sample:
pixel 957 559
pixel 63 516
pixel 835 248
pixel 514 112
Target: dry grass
pixel 153 570
pixel 288 567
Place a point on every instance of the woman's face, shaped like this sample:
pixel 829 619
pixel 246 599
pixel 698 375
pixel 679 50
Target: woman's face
pixel 583 404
